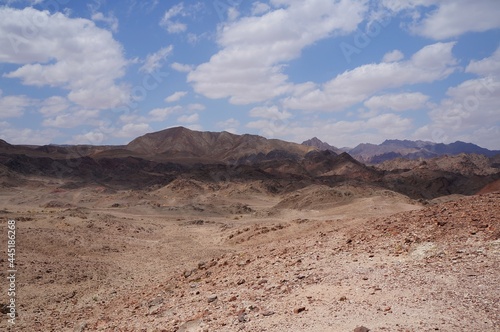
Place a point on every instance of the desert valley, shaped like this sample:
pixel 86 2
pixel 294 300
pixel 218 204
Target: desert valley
pixel 201 231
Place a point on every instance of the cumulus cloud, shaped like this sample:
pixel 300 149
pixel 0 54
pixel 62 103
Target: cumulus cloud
pixel 58 51
pixel 196 107
pixel 181 67
pixel 94 137
pixel 15 135
pixel 259 8
pixel 393 56
pixel 397 102
pixel 13 106
pixel 110 20
pixel 449 18
pixel 188 118
pixel 248 67
pixel 230 125
pixel 74 119
pixel 269 113
pixel 431 63
pixel 154 61
pixel 160 114
pixel 486 67
pixel 176 96
pixel 54 105
pixel 168 19
pixel 470 110
pixel 133 130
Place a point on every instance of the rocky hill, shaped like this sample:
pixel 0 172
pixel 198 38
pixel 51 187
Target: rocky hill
pixel 320 145
pixel 183 144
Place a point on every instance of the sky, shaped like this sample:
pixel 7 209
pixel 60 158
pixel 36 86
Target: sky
pixel 346 71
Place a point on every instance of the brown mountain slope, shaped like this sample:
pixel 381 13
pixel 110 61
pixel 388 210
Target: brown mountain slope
pixel 183 144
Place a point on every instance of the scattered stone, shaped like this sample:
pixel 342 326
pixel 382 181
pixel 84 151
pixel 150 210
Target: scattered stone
pixel 187 273
pixel 242 317
pixel 241 282
pixel 299 310
pixel 212 298
pixel 343 298
pixel 361 329
pixel 80 327
pixel 267 313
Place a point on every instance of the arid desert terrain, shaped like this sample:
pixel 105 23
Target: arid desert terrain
pixel 253 253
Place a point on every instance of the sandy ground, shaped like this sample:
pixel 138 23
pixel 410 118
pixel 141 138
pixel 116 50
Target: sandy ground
pixel 199 257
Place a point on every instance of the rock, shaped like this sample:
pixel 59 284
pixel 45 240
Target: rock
pixel 361 329
pixel 4 309
pixel 80 327
pixel 267 313
pixel 299 310
pixel 156 301
pixel 343 298
pixel 187 273
pixel 212 298
pixel 241 282
pixel 242 318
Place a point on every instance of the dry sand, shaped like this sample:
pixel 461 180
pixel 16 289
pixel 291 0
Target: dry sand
pixel 193 256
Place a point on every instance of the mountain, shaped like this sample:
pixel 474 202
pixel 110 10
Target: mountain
pixel 220 158
pixel 392 149
pixel 320 145
pixel 182 144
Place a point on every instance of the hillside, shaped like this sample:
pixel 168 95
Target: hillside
pixel 184 144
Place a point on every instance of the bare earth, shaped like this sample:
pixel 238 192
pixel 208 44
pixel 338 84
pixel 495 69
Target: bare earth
pixel 193 256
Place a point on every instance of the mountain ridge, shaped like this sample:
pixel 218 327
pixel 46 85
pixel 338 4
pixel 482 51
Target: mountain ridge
pixel 394 148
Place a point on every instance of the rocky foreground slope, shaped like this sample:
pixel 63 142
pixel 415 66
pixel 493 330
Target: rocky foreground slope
pixel 127 268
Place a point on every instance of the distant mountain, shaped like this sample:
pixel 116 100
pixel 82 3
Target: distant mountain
pixel 391 149
pixel 318 144
pixel 180 143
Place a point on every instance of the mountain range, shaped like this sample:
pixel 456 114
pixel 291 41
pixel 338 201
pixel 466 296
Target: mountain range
pixel 391 149
pixel 164 156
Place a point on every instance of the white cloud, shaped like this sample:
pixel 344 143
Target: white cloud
pixel 232 13
pixel 110 20
pixel 13 106
pixel 431 63
pixel 454 18
pixel 230 125
pixel 449 18
pixel 259 8
pixel 94 137
pixel 393 56
pixel 188 118
pixel 486 67
pixel 196 107
pixel 181 67
pixel 470 113
pixel 269 113
pixel 160 114
pixel 176 96
pixel 74 119
pixel 133 130
pixel 169 24
pixel 248 68
pixel 340 133
pixel 14 135
pixel 397 102
pixel 63 52
pixel 154 61
pixel 54 105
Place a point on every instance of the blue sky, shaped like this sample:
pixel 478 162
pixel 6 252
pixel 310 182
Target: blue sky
pixel 346 71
